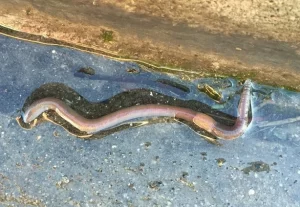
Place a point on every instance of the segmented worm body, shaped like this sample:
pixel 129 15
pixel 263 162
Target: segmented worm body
pixel 92 126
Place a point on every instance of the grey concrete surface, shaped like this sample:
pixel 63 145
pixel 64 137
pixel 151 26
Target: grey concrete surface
pixel 165 164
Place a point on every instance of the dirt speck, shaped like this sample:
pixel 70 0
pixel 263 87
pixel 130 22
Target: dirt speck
pixel 87 70
pixel 155 184
pixel 107 35
pixel 257 166
pixel 220 161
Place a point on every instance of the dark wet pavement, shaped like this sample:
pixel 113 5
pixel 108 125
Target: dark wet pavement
pixel 163 164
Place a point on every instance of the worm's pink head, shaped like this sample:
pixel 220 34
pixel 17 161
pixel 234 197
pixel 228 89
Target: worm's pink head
pixel 204 121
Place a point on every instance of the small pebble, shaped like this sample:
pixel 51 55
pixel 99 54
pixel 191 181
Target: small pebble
pixel 251 192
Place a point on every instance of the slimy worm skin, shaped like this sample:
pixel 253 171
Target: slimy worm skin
pixel 92 126
pixel 229 132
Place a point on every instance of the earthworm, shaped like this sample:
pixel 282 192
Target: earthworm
pixel 92 126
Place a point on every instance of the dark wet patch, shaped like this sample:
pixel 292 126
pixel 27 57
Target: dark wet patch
pixel 119 101
pixel 136 80
pixel 258 166
pixel 87 70
pixel 174 84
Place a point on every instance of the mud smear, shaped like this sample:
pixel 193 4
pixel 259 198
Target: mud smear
pixel 123 100
pixel 257 166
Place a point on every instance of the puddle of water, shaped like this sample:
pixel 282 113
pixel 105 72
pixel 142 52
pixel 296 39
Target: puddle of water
pixel 272 108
